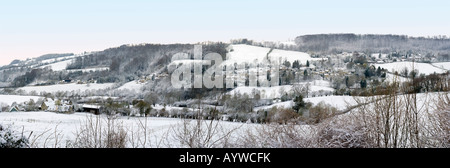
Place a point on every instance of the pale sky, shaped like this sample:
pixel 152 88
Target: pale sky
pixel 30 28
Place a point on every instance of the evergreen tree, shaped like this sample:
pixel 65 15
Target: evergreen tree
pixel 363 83
pixel 305 75
pixel 12 139
pixel 378 71
pixel 296 64
pixel 299 103
pixel 287 63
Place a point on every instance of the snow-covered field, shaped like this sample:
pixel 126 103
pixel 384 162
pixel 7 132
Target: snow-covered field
pixel 443 65
pixel 397 78
pixel 343 102
pixel 67 87
pixel 47 129
pixel 286 104
pixel 90 69
pixel 9 99
pixel 249 54
pixel 399 66
pixel 339 102
pixel 277 91
pixel 132 85
pixel 265 92
pixel 58 66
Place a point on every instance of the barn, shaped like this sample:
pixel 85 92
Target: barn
pixel 95 109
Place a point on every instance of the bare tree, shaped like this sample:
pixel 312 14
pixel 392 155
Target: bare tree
pixel 93 134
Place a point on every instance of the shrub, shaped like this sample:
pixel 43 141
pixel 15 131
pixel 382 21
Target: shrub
pixel 11 139
pixel 343 136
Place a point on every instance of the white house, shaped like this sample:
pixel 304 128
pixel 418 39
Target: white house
pixel 56 106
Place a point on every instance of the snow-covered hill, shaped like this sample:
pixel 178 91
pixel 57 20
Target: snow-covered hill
pixel 66 87
pixel 422 67
pixel 9 99
pixel 242 53
pixel 443 65
pixel 132 86
pixel 339 102
pixel 66 126
pixel 90 69
pixel 58 66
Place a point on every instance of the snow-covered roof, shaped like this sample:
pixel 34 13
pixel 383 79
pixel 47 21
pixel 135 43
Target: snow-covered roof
pixel 91 106
pixel 50 104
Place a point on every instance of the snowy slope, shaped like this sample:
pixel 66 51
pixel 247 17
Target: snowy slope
pixel 132 85
pixel 291 56
pixel 286 104
pixel 47 125
pixel 276 91
pixel 67 87
pixel 340 102
pixel 399 66
pixel 90 69
pixel 66 125
pixel 9 99
pixel 443 65
pixel 58 66
pixel 253 54
pixel 391 78
pixel 265 92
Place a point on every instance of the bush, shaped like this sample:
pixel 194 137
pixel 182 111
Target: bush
pixel 10 139
pixel 343 136
pixel 98 133
pixel 321 112
pixel 277 136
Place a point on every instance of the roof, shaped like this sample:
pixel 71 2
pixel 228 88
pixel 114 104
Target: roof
pixel 50 104
pixel 14 108
pixel 91 106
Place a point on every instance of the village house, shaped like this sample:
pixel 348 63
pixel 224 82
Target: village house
pixel 95 109
pixel 56 105
pixel 15 109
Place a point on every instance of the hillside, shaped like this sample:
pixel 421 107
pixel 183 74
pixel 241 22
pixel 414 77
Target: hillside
pixel 335 43
pixel 421 67
pixel 242 53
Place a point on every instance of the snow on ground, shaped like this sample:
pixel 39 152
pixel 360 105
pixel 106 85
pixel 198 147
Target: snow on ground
pixel 265 92
pixel 340 102
pixel 43 126
pixel 132 85
pixel 247 53
pixel 288 43
pixel 276 91
pixel 90 69
pixel 426 102
pixel 391 77
pixel 399 66
pixel 58 66
pixel 443 65
pixel 188 61
pixel 377 55
pixel 286 104
pixel 9 99
pixel 67 87
pixel 291 56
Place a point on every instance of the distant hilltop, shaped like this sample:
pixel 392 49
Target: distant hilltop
pixel 332 43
